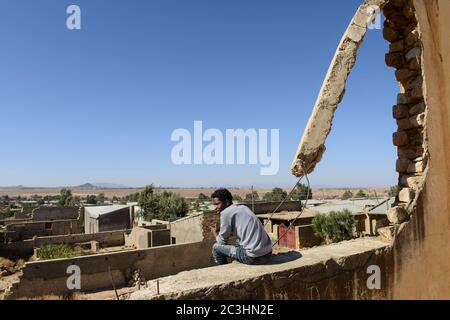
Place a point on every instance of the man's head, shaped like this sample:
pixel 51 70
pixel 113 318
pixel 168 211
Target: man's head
pixel 222 199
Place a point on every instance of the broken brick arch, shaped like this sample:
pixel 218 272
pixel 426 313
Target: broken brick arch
pixel 401 30
pixel 417 265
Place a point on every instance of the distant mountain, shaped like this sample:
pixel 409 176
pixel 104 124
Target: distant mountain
pixel 101 185
pixel 86 186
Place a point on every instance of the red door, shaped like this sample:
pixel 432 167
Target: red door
pixel 286 236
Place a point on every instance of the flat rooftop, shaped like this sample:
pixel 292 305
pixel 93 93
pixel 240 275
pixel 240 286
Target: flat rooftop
pixel 200 281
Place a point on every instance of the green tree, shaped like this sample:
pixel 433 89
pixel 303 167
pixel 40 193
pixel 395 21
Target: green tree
pixel 47 199
pixel 347 195
pixel 7 211
pixel 76 200
pixel 196 205
pixel 91 199
pixel 237 198
pixel 65 198
pixel 172 206
pixel 393 191
pixel 361 194
pixel 133 197
pixel 202 197
pixel 101 198
pixel 248 196
pixel 149 202
pixel 163 206
pixel 302 192
pixel 277 194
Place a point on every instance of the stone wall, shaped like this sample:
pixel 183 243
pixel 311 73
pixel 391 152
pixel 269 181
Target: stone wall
pixel 405 55
pixel 420 218
pixel 421 250
pixel 25 248
pixel 56 213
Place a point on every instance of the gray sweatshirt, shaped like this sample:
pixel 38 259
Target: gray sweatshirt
pixel 247 228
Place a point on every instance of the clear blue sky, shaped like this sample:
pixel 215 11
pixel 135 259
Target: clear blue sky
pixel 99 104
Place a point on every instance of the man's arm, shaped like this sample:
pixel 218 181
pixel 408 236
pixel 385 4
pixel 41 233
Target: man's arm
pixel 225 230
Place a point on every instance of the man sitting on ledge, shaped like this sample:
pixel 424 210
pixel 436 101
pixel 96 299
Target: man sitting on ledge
pixel 253 245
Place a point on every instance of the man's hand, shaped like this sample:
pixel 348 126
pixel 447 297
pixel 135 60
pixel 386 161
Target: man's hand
pixel 214 230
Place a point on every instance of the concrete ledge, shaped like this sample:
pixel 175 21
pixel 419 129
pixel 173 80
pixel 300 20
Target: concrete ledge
pixel 293 275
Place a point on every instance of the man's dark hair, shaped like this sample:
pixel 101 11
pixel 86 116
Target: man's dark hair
pixel 223 195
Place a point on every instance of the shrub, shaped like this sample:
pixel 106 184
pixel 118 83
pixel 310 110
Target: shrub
pixel 203 197
pixel 7 211
pixel 302 192
pixel 393 191
pixel 335 226
pixel 249 197
pixel 347 195
pixel 237 198
pixel 361 194
pixel 66 198
pixel 53 251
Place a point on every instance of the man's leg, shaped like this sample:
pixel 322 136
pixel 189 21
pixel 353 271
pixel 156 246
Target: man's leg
pixel 222 252
pixel 242 257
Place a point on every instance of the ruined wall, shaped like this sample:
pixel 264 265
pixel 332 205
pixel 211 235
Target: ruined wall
pixel 29 229
pixel 194 228
pixel 46 221
pixel 418 264
pixel 25 248
pixel 56 213
pixel 50 277
pixel 45 213
pixel 422 250
pixel 312 144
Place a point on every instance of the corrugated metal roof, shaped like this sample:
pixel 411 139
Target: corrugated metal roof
pixel 313 202
pixel 288 215
pixel 355 206
pixel 95 212
pixel 384 207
